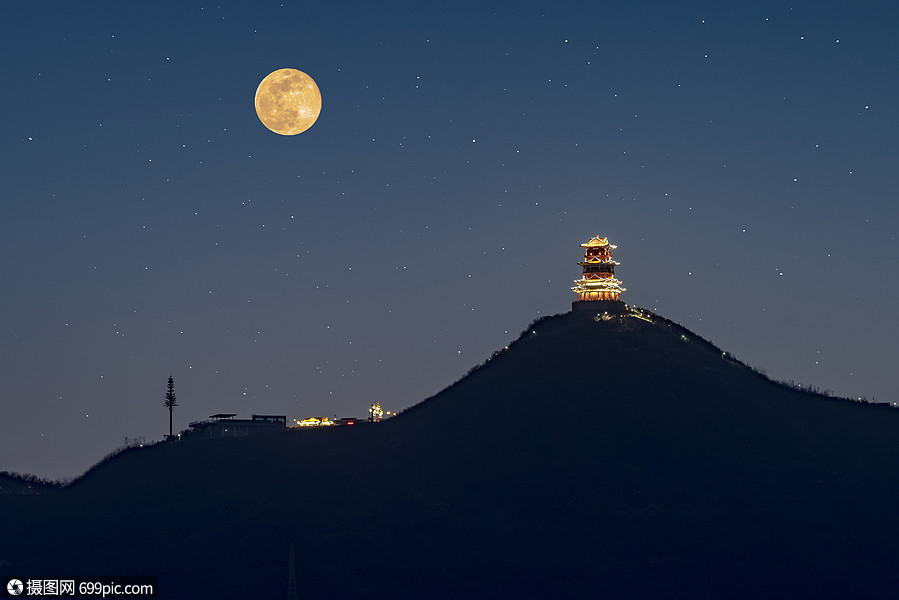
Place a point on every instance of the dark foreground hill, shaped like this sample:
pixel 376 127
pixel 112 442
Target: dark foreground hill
pixel 605 459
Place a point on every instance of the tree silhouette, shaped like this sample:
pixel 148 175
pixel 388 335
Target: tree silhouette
pixel 170 401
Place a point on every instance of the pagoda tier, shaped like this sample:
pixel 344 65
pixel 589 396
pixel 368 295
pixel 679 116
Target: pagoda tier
pixel 598 281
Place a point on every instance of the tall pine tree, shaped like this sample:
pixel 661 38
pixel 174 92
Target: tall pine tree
pixel 170 401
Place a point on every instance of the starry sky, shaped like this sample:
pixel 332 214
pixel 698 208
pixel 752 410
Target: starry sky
pixel 742 156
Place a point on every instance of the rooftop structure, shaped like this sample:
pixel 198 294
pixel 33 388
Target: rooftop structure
pixel 225 425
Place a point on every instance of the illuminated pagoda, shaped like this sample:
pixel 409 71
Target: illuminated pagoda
pixel 598 289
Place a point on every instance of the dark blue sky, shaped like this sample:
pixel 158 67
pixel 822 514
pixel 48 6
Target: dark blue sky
pixel 741 155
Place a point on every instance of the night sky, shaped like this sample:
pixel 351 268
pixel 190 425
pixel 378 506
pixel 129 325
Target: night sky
pixel 743 157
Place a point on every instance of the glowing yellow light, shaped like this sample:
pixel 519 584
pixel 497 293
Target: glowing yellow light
pixel 598 280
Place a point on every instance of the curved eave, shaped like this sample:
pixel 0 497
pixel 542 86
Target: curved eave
pixel 612 285
pixel 584 263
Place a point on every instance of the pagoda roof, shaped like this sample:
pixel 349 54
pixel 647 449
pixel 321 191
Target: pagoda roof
pixel 598 241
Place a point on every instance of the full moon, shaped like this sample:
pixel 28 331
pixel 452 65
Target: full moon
pixel 288 101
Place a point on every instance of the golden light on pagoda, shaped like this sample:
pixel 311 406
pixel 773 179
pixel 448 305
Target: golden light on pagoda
pixel 598 283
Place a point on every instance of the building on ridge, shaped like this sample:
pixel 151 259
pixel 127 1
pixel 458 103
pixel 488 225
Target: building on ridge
pixel 597 289
pixel 224 425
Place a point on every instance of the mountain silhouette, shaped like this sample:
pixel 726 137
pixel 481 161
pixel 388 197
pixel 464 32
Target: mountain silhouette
pixel 604 458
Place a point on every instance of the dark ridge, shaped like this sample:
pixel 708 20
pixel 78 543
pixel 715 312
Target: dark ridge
pixel 617 458
pixel 19 484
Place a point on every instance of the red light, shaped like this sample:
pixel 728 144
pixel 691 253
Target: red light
pixel 350 422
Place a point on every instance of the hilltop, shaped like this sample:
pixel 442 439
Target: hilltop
pixel 620 458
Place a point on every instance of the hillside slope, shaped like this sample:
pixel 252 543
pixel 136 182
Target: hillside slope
pixel 615 458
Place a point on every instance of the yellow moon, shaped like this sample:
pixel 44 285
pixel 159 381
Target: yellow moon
pixel 288 101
